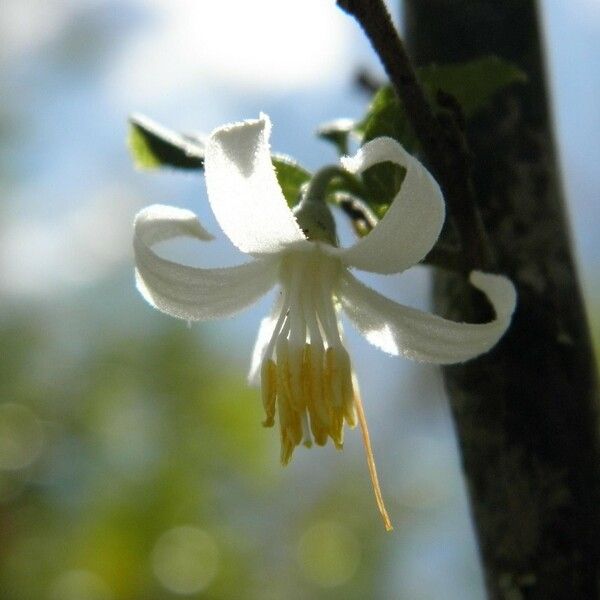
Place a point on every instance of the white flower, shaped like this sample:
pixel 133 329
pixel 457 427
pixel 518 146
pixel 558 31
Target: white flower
pixel 304 368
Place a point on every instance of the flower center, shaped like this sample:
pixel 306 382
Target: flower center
pixel 306 375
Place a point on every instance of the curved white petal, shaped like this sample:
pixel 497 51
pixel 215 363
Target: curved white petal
pixel 187 292
pixel 424 337
pixel 159 222
pixel 265 333
pixel 243 190
pixel 413 222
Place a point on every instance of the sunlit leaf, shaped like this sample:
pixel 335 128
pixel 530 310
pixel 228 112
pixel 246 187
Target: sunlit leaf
pixel 337 132
pixel 383 181
pixel 472 83
pixel 386 117
pixel 153 146
pixel 290 175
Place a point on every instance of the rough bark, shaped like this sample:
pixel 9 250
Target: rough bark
pixel 525 414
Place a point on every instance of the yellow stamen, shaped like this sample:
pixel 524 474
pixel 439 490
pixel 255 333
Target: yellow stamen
pixel 350 413
pixel 268 381
pixel 287 449
pixel 362 419
pixel 290 428
pixel 312 374
pixel 337 427
pixel 305 375
pixel 295 363
pixel 319 434
pixel 339 392
pixel 333 377
pixel 290 425
pixel 283 369
pixel 317 386
pixel 306 438
pixel 347 388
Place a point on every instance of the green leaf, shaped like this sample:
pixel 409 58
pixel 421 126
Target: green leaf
pixel 473 83
pixel 290 175
pixel 337 132
pixel 385 117
pixel 383 182
pixel 153 146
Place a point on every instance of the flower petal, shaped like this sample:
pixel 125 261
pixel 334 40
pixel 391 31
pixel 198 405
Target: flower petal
pixel 243 190
pixel 187 292
pixel 422 336
pixel 265 333
pixel 413 222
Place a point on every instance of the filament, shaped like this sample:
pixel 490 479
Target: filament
pixel 362 420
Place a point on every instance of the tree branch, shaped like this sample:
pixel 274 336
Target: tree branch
pixel 442 140
pixel 526 414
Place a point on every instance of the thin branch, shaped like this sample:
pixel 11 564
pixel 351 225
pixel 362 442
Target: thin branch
pixel 363 219
pixel 443 142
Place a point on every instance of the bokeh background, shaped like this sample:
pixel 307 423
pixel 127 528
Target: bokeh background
pixel 132 461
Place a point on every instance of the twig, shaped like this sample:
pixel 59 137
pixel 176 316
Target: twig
pixel 361 216
pixel 443 143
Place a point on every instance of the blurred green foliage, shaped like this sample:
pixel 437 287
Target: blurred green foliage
pixel 153 146
pixel 153 479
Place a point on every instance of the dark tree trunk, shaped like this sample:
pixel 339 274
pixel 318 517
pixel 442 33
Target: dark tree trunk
pixel 525 414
